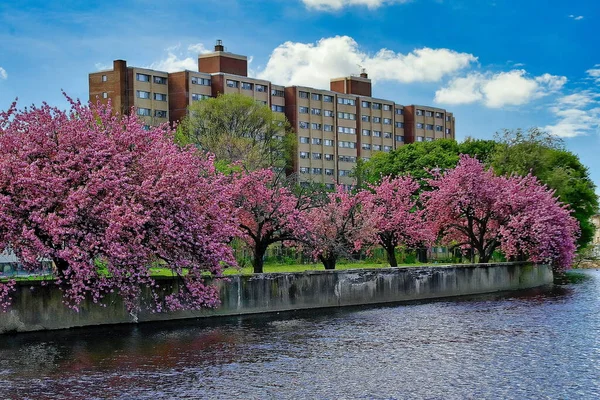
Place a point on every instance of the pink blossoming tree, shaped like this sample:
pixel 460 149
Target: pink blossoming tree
pixel 104 199
pixel 268 212
pixel 341 226
pixel 399 220
pixel 474 209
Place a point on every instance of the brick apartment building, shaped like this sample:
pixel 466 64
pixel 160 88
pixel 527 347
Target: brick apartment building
pixel 333 127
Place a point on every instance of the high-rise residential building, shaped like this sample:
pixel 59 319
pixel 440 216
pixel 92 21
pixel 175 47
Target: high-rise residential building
pixel 334 128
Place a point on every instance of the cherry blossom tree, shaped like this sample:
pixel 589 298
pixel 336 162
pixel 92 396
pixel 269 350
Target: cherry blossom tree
pixel 476 210
pixel 268 212
pixel 399 221
pixel 341 226
pixel 104 199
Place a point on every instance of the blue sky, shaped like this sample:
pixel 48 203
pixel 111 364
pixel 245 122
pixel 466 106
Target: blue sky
pixel 495 63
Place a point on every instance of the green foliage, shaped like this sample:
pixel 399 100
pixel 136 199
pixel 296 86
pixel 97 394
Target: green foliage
pixel 237 129
pixel 483 150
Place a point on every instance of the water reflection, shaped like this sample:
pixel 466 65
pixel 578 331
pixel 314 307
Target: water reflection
pixel 532 344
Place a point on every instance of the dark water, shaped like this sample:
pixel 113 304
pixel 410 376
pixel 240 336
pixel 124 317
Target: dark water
pixel 540 344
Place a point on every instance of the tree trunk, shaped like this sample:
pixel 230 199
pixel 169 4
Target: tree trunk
pixel 259 254
pixel 391 255
pixel 422 254
pixel 328 262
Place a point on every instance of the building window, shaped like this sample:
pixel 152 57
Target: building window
pixel 387 107
pixel 438 128
pixel 247 86
pixel 376 106
pixel 303 110
pixel 366 158
pixel 429 127
pixel 348 102
pixel 344 172
pixel 260 88
pixel 376 147
pixel 428 114
pixel 160 97
pixel 349 159
pixel 104 95
pixel 304 170
pixel 329 157
pixel 376 120
pixel 317 141
pixel 329 186
pixel 328 171
pixel 232 84
pixel 328 128
pixel 160 114
pixel 399 111
pixel 448 131
pixel 197 97
pixel 277 108
pixel 328 142
pixel 303 125
pixel 303 95
pixel 365 104
pixel 399 124
pixel 277 93
pixel 429 139
pixel 365 118
pixel 144 112
pixel 399 138
pixel 317 156
pixel 328 113
pixel 387 121
pixel 366 132
pixel 344 115
pixel 315 111
pixel 200 81
pixel 348 145
pixel 303 154
pixel 349 131
pixel 376 133
pixel 161 80
pixel 366 146
pixel 317 171
pixel 315 96
pixel 439 115
pixel 327 98
pixel 304 139
pixel 387 135
pixel 420 138
pixel 420 112
pixel 142 77
pixel 419 125
pixel 448 118
pixel 316 126
pixel 143 95
pixel 104 78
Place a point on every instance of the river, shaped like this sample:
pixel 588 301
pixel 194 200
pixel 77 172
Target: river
pixel 535 344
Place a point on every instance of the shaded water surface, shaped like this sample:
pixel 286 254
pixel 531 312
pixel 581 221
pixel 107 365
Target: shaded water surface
pixel 527 345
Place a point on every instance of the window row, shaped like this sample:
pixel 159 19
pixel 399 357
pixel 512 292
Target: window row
pixel 200 81
pixel 324 142
pixel 148 95
pixel 377 120
pixel 344 115
pixel 367 132
pixel 424 139
pixel 149 78
pixel 146 112
pixel 315 171
pixel 315 111
pixel 196 96
pixel 376 106
pixel 316 156
pixel 431 114
pixel 429 127
pixel 315 96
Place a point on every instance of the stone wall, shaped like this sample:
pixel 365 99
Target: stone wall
pixel 38 307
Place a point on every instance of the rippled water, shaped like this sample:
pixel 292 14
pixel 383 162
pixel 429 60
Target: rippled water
pixel 528 345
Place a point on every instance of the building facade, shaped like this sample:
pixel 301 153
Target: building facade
pixel 334 128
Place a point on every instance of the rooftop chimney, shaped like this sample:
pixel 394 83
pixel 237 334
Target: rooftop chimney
pixel 219 45
pixel 363 73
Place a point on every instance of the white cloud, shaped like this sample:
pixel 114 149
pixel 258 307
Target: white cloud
pixel 577 114
pixel 102 67
pixel 177 60
pixel 314 64
pixel 3 74
pixel 334 5
pixel 497 90
pixel 594 73
pixel 576 17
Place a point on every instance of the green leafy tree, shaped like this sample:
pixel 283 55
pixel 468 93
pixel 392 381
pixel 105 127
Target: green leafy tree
pixel 545 157
pixel 236 128
pixel 483 150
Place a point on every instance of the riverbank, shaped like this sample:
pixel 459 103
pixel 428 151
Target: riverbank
pixel 39 307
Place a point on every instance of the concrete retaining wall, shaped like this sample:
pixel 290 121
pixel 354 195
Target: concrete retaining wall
pixel 38 307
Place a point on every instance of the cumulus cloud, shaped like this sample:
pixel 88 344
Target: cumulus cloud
pixel 3 74
pixel 314 64
pixel 334 5
pixel 576 17
pixel 497 90
pixel 594 73
pixel 577 114
pixel 179 60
